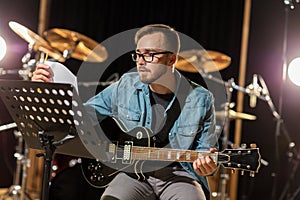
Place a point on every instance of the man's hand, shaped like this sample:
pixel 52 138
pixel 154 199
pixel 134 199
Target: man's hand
pixel 205 165
pixel 42 73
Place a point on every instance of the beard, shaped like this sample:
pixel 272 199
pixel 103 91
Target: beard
pixel 148 76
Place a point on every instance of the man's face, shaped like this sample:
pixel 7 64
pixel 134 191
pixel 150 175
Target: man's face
pixel 149 72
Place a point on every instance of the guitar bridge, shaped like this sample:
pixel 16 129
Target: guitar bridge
pixel 127 152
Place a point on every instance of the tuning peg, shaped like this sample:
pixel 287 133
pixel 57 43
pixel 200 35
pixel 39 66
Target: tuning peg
pixel 243 146
pixel 252 174
pixel 234 146
pixel 242 172
pixel 253 146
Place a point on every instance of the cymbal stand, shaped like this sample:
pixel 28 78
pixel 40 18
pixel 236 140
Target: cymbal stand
pixel 224 175
pixel 28 64
pixel 17 191
pixel 222 195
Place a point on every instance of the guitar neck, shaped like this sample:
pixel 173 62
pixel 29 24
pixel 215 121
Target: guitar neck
pixel 164 154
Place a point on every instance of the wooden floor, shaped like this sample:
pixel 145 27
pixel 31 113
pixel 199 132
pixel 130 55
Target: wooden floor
pixel 2 191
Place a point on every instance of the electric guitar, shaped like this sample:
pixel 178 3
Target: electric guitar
pixel 133 149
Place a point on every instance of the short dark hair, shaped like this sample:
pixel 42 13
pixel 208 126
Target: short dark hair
pixel 171 35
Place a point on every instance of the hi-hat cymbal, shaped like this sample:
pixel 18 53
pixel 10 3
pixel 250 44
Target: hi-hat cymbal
pixel 77 45
pixel 34 40
pixel 235 115
pixel 207 60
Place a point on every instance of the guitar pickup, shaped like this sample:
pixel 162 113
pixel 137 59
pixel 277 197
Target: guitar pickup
pixel 126 159
pixel 112 150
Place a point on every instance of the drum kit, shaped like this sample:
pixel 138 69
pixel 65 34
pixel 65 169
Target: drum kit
pixel 62 44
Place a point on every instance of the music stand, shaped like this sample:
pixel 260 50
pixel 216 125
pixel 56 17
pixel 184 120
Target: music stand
pixel 51 117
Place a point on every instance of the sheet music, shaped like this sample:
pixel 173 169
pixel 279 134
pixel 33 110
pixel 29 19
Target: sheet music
pixel 61 74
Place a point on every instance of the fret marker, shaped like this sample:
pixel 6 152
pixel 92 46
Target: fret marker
pixel 188 156
pixel 169 155
pixel 178 156
pixel 200 155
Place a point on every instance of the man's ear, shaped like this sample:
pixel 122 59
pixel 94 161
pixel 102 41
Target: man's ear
pixel 172 59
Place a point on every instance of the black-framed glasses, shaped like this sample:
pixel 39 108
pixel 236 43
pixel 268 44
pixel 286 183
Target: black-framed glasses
pixel 147 57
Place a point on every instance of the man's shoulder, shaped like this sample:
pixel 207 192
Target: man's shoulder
pixel 197 88
pixel 200 94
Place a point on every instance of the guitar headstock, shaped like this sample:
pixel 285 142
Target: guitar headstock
pixel 245 159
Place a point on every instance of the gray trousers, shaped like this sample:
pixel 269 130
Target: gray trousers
pixel 169 183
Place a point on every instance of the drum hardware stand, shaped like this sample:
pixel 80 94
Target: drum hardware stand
pixel 28 66
pixel 17 191
pixel 224 175
pixel 221 194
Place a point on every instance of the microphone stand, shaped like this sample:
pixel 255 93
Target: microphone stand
pixel 279 121
pixel 280 127
pixel 230 85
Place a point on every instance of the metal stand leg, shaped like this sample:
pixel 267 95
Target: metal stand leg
pixel 49 146
pixel 224 176
pixel 17 192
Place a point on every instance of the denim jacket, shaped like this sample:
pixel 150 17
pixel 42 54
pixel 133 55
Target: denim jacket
pixel 128 100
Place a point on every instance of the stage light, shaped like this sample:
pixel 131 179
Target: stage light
pixel 2 48
pixel 294 71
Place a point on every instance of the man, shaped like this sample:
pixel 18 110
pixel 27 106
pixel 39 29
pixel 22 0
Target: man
pixel 180 115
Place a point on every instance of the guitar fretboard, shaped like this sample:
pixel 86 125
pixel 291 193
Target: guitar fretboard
pixel 163 154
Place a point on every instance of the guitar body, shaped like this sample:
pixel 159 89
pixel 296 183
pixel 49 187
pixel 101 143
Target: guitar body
pixel 100 173
pixel 130 150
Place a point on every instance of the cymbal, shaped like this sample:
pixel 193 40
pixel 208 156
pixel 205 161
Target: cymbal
pixel 207 60
pixel 34 40
pixel 235 115
pixel 77 45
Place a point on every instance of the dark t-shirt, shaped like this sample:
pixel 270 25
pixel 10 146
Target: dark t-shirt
pixel 162 122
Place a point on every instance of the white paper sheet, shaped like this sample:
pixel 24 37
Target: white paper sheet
pixel 62 74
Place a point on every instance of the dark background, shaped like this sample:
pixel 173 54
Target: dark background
pixel 216 25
